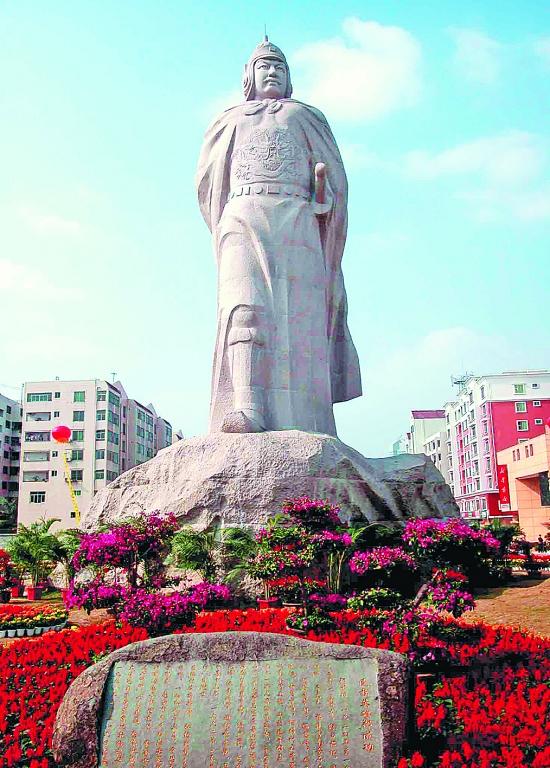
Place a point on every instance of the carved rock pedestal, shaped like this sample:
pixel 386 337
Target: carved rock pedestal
pixel 242 479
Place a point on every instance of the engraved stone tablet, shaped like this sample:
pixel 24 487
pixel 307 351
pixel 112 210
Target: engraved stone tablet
pixel 299 712
pixel 236 700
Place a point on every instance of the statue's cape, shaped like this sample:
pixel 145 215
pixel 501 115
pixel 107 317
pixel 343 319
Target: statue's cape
pixel 213 180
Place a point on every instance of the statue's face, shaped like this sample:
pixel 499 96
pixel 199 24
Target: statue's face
pixel 270 79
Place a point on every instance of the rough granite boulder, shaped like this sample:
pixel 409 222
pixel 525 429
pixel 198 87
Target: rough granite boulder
pixel 242 479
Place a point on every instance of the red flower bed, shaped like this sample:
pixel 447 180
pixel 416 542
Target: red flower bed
pixel 491 718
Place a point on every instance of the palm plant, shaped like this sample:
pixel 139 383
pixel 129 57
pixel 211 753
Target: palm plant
pixel 211 550
pixel 35 549
pixel 67 544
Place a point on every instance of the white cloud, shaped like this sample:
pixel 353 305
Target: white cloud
pixel 48 223
pixel 477 56
pixel 511 158
pixel 542 49
pixel 356 157
pixel 369 72
pixel 501 174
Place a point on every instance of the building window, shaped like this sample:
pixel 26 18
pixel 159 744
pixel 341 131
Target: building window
pixel 113 418
pixel 112 437
pixel 57 395
pixel 520 407
pixel 114 399
pixel 111 476
pixel 79 397
pixel 56 414
pixel 36 477
pixel 78 415
pixel 37 497
pixel 482 392
pixel 530 449
pixel 78 435
pixel 77 475
pixel 77 454
pixel 101 395
pixel 100 474
pixel 77 492
pixel 36 456
pixel 39 397
pixel 535 386
pixel 100 415
pixel 100 454
pixel 54 472
pixel 54 454
pixel 36 416
pixel 522 425
pixel 536 404
pixel 37 437
pixel 100 434
pixel 519 389
pixel 538 422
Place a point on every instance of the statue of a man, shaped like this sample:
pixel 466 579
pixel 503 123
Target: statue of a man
pixel 273 192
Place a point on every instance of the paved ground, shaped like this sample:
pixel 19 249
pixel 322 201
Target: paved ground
pixel 524 603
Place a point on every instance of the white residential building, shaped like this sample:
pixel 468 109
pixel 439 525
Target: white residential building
pixel 110 433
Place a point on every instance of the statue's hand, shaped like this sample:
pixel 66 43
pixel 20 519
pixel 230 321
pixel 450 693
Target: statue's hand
pixel 321 203
pixel 320 182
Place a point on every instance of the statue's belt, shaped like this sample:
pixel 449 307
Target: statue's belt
pixel 268 188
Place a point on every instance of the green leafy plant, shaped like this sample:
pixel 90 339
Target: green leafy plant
pixel 211 550
pixel 36 549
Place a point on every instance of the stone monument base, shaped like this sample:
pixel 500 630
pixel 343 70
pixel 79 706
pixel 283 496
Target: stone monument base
pixel 242 479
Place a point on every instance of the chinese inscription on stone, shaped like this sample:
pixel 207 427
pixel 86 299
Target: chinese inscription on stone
pixel 321 713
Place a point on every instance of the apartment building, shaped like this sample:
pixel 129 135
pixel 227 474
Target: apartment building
pixel 110 433
pixel 10 440
pixel 436 448
pixel 491 413
pixel 423 425
pixel 523 472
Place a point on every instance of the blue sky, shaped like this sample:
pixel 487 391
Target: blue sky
pixel 441 113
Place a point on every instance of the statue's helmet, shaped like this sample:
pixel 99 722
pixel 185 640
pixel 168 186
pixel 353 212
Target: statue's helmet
pixel 265 50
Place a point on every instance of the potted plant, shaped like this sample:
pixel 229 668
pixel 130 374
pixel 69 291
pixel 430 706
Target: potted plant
pixel 36 550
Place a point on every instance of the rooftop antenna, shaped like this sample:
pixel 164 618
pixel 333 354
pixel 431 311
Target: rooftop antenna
pixel 113 374
pixel 266 38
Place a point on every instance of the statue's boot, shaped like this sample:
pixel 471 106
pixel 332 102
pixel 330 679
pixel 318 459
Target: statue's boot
pixel 243 421
pixel 246 358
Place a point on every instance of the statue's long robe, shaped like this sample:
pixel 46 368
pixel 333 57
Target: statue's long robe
pixel 276 253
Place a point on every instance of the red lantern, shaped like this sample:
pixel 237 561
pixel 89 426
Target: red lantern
pixel 61 434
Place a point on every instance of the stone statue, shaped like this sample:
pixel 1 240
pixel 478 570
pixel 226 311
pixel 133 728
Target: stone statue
pixel 273 192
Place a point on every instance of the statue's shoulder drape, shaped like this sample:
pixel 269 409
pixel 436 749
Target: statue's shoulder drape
pixel 213 186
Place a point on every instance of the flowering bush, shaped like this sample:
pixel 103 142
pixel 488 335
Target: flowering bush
pixel 446 593
pixel 453 542
pixel 7 573
pixel 160 613
pixel 495 719
pixel 313 514
pixel 331 602
pixel 376 597
pixel 381 559
pixel 314 621
pixel 288 587
pixel 138 546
